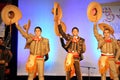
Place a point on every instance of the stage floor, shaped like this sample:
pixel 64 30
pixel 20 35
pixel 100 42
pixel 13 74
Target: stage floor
pixel 61 78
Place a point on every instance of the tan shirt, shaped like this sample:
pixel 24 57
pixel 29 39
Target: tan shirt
pixel 106 47
pixel 40 47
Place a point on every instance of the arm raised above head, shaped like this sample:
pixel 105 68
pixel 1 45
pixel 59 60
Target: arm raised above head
pixel 96 34
pixel 24 34
pixel 64 35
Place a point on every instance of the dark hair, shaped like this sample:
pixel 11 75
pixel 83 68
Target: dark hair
pixel 106 29
pixel 118 40
pixel 37 27
pixel 1 38
pixel 75 28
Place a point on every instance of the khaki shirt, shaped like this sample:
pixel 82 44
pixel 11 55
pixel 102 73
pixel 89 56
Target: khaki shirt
pixel 106 47
pixel 119 54
pixel 40 47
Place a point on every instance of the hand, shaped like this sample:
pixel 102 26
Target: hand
pixel 16 23
pixel 59 21
pixel 61 36
pixel 6 64
pixel 25 26
pixel 46 57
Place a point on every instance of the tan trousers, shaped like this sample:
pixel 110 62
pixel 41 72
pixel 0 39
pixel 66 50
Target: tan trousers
pixel 118 70
pixel 112 69
pixel 40 70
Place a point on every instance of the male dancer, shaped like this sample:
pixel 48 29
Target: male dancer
pixel 75 46
pixel 107 45
pixel 39 48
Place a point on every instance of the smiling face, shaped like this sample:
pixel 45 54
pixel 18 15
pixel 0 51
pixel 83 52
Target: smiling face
pixel 1 41
pixel 106 33
pixel 118 42
pixel 38 31
pixel 75 31
pixel 94 11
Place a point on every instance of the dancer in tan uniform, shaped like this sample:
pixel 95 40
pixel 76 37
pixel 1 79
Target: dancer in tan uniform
pixel 118 63
pixel 39 48
pixel 107 45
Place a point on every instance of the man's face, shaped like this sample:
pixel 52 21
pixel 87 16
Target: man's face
pixel 1 41
pixel 118 42
pixel 94 12
pixel 37 32
pixel 106 33
pixel 75 32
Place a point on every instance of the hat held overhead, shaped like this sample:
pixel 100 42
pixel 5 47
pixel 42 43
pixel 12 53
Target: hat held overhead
pixel 57 12
pixel 94 11
pixel 10 14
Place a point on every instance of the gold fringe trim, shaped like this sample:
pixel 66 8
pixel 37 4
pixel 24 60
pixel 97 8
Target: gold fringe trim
pixel 103 64
pixel 31 64
pixel 69 64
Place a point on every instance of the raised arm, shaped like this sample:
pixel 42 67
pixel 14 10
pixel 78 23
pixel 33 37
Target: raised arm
pixel 64 35
pixel 24 34
pixel 96 34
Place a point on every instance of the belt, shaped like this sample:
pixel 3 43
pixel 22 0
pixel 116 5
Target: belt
pixel 75 56
pixel 118 62
pixel 39 56
pixel 109 55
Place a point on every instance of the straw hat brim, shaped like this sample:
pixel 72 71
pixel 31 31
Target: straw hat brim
pixel 104 26
pixel 57 11
pixel 90 14
pixel 5 14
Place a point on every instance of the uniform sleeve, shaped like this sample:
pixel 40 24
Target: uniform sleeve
pixel 8 55
pixel 96 34
pixel 63 43
pixel 29 38
pixel 84 47
pixel 23 33
pixel 118 52
pixel 64 35
pixel 47 47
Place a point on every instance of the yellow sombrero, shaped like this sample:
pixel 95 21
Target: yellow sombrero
pixel 104 26
pixel 94 11
pixel 10 14
pixel 57 11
